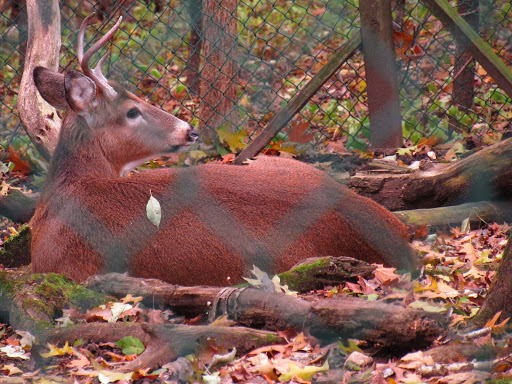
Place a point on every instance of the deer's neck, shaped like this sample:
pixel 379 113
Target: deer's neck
pixel 79 156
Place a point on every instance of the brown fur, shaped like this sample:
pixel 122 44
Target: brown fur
pixel 217 220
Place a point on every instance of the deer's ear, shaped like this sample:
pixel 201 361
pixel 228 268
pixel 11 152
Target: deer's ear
pixel 80 92
pixel 50 85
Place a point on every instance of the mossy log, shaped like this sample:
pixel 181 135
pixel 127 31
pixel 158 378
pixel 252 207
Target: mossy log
pixel 16 252
pixel 31 302
pixel 392 327
pixel 482 176
pixel 318 272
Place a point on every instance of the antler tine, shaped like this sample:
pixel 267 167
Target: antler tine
pixel 83 58
pixel 81 34
pixel 97 69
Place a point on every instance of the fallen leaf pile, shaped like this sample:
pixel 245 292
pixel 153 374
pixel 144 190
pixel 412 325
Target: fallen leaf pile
pixel 457 269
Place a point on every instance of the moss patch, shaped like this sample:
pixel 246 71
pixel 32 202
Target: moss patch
pixel 65 293
pixel 16 252
pixel 35 300
pixel 301 275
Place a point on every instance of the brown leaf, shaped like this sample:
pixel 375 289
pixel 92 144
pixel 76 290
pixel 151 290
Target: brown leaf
pixel 298 130
pixel 268 348
pixel 386 276
pixel 98 314
pixel 155 316
pixel 81 362
pixel 300 343
pixel 11 369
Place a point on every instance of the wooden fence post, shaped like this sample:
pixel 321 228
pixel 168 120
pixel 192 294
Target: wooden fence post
pixel 463 71
pixel 381 79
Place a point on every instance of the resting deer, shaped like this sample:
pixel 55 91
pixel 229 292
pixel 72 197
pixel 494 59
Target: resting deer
pixel 217 220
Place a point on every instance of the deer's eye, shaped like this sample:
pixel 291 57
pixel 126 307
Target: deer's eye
pixel 133 113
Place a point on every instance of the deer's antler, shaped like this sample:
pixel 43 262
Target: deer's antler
pixel 83 58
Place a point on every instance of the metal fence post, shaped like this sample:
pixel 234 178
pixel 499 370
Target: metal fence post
pixel 380 62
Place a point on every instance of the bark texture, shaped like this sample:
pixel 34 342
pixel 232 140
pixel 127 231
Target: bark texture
pixel 499 296
pixel 39 119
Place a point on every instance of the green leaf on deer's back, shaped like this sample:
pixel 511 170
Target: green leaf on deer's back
pixel 153 210
pixel 131 345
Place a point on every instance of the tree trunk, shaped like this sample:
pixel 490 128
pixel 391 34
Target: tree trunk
pixel 218 86
pixel 499 296
pixel 195 40
pixel 39 119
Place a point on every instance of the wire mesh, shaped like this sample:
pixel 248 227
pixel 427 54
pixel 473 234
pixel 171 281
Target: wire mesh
pixel 234 64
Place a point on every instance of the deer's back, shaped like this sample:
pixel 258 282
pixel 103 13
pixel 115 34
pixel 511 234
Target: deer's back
pixel 217 221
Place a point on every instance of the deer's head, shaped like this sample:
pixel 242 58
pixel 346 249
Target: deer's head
pixel 126 130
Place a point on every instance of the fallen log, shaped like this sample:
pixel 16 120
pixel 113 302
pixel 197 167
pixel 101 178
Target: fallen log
pixel 484 211
pixel 318 272
pixel 166 342
pixel 482 176
pixel 392 327
pixel 18 206
pixel 31 302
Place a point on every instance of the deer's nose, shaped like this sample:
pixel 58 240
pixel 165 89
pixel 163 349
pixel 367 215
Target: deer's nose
pixel 193 134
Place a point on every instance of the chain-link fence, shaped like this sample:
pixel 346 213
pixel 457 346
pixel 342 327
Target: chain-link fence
pixel 229 64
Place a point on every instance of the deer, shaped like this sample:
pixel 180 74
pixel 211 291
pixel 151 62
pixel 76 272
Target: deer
pixel 218 220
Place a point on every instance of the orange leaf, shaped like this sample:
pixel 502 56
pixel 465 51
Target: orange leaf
pixel 20 165
pixel 499 328
pixel 81 362
pixel 493 321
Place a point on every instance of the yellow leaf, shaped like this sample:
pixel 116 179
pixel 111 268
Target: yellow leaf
pixel 347 350
pixel 418 304
pixel 106 377
pixel 474 273
pixel 55 351
pixel 235 140
pixel 362 86
pixel 305 373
